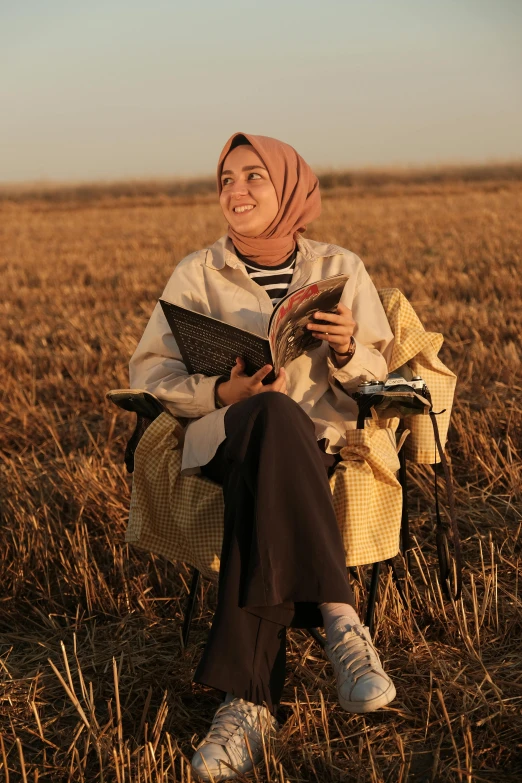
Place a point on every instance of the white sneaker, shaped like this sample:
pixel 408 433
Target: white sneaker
pixel 225 742
pixel 362 684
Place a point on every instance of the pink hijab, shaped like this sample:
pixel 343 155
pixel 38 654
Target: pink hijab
pixel 298 195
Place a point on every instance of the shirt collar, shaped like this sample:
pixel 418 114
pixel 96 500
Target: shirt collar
pixel 222 252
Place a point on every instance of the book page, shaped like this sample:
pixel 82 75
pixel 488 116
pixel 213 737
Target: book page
pixel 287 330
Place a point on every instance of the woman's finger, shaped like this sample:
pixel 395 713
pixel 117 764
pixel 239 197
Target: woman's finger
pixel 344 311
pixel 330 317
pixel 280 380
pixel 333 339
pixel 261 374
pixel 278 385
pixel 343 315
pixel 238 369
pixel 333 329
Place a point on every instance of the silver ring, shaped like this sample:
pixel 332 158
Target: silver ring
pixel 326 333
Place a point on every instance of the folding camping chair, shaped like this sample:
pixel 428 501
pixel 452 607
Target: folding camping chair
pixel 146 407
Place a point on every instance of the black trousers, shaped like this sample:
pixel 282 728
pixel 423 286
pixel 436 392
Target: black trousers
pixel 282 550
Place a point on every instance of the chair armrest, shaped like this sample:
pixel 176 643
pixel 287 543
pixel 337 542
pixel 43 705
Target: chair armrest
pixel 138 401
pixel 146 406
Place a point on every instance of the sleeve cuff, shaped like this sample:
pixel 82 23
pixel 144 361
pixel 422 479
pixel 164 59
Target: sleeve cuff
pixel 365 365
pixel 204 395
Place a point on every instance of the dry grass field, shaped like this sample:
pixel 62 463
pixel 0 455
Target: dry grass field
pixel 94 683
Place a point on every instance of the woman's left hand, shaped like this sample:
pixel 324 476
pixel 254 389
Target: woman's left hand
pixel 339 330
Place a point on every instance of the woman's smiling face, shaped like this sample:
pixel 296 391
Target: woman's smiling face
pixel 248 198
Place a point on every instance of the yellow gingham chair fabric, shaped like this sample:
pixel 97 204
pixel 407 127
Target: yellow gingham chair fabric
pixel 181 517
pixel 419 349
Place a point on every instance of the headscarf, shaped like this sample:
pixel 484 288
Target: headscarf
pixel 297 190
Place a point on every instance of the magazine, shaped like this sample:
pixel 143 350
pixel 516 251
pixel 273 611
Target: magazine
pixel 210 346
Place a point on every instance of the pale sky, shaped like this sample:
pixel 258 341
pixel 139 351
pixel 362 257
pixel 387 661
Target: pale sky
pixel 115 89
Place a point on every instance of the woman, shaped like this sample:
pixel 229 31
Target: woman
pixel 272 447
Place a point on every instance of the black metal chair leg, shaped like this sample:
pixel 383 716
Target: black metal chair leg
pixel 405 520
pixel 319 638
pixel 189 606
pixel 372 596
pixel 397 580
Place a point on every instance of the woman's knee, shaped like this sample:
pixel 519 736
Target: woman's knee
pixel 273 399
pixel 283 414
pixel 273 407
pixel 275 403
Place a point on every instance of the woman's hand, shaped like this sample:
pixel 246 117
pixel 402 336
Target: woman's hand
pixel 241 386
pixel 339 329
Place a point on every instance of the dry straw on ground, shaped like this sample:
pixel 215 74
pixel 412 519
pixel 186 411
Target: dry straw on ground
pixel 94 683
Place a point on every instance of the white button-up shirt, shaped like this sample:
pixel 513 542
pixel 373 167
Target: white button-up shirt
pixel 213 281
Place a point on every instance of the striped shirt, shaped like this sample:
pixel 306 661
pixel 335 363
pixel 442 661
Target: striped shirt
pixel 274 279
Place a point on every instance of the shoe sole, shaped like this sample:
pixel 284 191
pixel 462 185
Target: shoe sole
pixel 369 706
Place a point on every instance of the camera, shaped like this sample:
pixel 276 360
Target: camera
pixel 394 383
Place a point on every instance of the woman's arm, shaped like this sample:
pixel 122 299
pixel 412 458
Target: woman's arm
pixel 373 339
pixel 361 329
pixel 156 364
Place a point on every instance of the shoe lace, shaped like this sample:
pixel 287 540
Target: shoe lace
pixel 230 718
pixel 354 650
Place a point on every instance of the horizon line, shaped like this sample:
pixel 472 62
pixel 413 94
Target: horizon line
pixel 50 182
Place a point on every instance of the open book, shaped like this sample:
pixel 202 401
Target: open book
pixel 210 346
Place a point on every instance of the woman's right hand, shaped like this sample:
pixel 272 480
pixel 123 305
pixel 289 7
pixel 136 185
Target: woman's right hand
pixel 241 386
